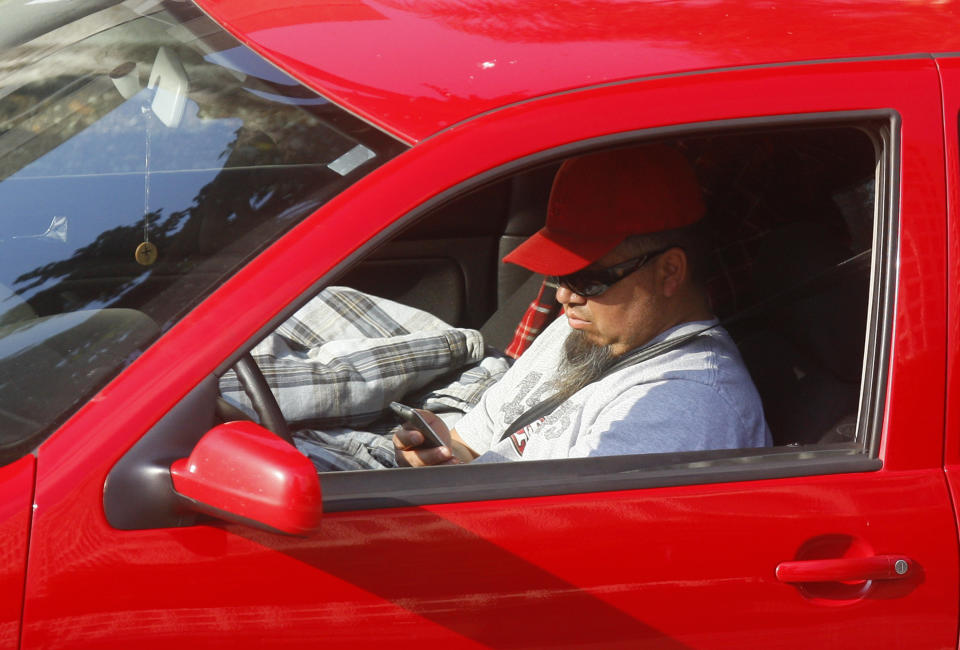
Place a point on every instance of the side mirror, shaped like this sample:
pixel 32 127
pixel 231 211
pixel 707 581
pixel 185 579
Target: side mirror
pixel 241 472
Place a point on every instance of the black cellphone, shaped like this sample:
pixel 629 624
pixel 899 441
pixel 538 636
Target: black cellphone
pixel 415 421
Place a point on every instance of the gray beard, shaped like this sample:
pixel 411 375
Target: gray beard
pixel 583 362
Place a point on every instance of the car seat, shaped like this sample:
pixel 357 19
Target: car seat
pixel 805 351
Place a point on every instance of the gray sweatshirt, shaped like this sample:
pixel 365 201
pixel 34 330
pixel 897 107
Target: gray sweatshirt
pixel 697 396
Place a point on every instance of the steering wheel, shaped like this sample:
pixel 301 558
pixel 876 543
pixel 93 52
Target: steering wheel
pixel 264 401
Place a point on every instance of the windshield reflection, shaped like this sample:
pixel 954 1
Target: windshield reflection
pixel 144 156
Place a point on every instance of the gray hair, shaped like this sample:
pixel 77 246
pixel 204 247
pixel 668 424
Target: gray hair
pixel 690 238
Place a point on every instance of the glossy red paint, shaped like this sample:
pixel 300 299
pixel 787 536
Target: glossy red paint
pixel 371 55
pixel 663 566
pixel 243 472
pixel 685 585
pixel 405 569
pixel 16 487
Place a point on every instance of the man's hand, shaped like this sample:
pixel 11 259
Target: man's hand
pixel 406 445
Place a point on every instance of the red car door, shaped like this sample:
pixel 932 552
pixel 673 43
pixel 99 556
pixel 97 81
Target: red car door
pixel 787 548
pixel 16 486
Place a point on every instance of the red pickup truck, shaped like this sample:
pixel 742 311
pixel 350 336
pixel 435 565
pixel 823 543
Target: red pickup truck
pixel 176 180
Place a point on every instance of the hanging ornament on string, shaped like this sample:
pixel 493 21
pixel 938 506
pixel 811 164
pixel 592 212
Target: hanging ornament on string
pixel 146 253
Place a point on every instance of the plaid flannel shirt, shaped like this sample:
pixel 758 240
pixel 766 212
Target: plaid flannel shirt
pixel 336 364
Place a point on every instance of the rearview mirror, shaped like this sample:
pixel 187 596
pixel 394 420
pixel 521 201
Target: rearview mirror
pixel 169 79
pixel 241 472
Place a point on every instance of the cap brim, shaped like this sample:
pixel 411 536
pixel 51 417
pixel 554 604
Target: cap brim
pixel 552 253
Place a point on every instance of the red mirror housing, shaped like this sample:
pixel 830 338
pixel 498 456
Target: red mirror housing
pixel 241 472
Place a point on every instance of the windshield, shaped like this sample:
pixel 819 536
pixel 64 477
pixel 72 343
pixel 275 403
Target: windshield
pixel 145 155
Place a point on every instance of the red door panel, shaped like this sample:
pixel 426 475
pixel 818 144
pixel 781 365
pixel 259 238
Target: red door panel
pixel 16 488
pixel 618 569
pixel 682 567
pixel 690 566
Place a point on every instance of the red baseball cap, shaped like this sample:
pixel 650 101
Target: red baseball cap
pixel 600 199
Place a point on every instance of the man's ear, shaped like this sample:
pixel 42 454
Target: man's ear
pixel 672 271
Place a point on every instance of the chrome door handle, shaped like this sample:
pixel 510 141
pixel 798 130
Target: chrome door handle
pixel 848 569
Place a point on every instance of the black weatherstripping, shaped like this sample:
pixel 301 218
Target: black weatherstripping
pixel 363 490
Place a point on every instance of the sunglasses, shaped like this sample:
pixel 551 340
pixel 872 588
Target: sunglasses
pixel 592 282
